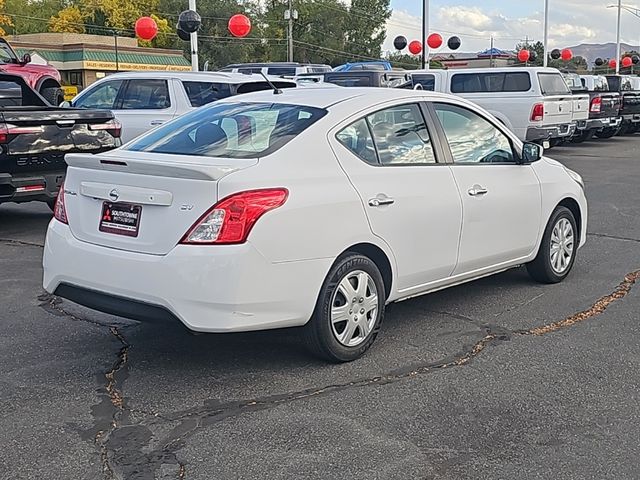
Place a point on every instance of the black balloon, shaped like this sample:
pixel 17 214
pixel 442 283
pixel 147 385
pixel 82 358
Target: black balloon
pixel 183 35
pixel 454 43
pixel 532 56
pixel 555 54
pixel 400 42
pixel 635 59
pixel 189 21
pixel 599 62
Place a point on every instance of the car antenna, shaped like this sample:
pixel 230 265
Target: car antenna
pixel 276 90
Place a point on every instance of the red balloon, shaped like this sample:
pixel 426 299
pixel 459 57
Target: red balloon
pixel 523 55
pixel 627 62
pixel 434 40
pixel 612 63
pixel 566 54
pixel 239 25
pixel 146 28
pixel 415 47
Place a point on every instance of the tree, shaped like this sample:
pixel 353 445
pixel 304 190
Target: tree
pixel 5 20
pixel 410 62
pixel 366 27
pixel 69 20
pixel 537 48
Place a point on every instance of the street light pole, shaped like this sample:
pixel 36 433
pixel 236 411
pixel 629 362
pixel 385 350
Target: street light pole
pixel 546 33
pixel 115 43
pixel 194 41
pixel 425 34
pixel 618 38
pixel 290 26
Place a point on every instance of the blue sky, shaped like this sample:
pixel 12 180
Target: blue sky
pixel 571 22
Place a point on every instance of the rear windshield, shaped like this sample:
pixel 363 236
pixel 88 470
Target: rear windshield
pixel 279 71
pixel 427 82
pixel 237 130
pixel 349 80
pixel 490 82
pixel 553 84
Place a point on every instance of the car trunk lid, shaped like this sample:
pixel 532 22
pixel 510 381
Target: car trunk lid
pixel 142 202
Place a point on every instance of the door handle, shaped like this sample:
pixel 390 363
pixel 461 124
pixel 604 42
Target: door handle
pixel 477 190
pixel 155 123
pixel 380 200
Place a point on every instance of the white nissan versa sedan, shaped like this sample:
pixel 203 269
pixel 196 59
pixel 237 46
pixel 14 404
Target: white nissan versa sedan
pixel 312 207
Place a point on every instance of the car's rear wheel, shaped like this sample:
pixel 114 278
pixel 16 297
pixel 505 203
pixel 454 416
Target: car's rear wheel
pixel 607 132
pixel 53 95
pixel 558 249
pixel 349 310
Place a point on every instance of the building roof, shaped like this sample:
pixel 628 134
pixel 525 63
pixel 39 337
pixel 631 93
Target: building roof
pixel 84 55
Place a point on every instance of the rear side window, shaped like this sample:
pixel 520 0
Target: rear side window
pixel 553 84
pixel 146 94
pixel 428 82
pixel 277 71
pixel 102 96
pixel 238 130
pixel 201 93
pixel 250 70
pixel 491 82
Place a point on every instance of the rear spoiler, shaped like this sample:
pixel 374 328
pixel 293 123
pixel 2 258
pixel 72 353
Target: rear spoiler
pixel 160 165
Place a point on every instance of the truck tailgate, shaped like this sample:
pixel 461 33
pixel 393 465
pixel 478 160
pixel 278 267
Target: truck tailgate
pixel 558 109
pixel 581 104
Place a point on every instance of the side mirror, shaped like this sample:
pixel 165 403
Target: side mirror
pixel 26 59
pixel 65 104
pixel 531 152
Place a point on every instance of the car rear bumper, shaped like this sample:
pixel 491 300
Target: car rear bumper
pixel 229 288
pixel 25 188
pixel 632 118
pixel 549 132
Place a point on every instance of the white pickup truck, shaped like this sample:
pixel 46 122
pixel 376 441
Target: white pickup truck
pixel 535 103
pixel 143 100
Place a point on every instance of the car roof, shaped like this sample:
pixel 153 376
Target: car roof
pixel 223 77
pixel 489 70
pixel 322 96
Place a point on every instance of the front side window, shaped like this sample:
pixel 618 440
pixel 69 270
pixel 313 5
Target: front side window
pixel 238 130
pixel 147 94
pixel 202 93
pixel 472 138
pixel 102 96
pixel 553 84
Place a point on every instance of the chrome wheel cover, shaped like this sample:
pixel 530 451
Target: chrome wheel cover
pixel 354 308
pixel 562 246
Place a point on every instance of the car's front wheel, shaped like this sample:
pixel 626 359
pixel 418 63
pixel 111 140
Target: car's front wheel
pixel 349 310
pixel 558 249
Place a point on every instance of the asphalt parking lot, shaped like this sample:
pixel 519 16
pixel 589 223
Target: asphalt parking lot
pixel 499 379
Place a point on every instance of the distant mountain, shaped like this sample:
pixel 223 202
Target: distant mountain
pixel 591 51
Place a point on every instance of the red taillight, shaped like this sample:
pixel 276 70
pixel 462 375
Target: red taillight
pixel 59 210
pixel 537 114
pixel 7 131
pixel 231 219
pixel 114 127
pixel 596 105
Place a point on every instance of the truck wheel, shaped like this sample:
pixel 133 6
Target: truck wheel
pixel 607 133
pixel 582 136
pixel 53 95
pixel 624 129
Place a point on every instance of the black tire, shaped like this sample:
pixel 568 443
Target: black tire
pixel 624 129
pixel 607 132
pixel 582 136
pixel 53 95
pixel 318 332
pixel 540 268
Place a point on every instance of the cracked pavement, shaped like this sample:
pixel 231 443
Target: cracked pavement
pixel 501 378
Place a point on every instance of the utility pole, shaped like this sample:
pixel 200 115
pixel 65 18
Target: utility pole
pixel 194 41
pixel 425 34
pixel 618 38
pixel 290 15
pixel 545 61
pixel 491 54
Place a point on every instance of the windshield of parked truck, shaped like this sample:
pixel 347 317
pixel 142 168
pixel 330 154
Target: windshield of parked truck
pixel 6 54
pixel 553 84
